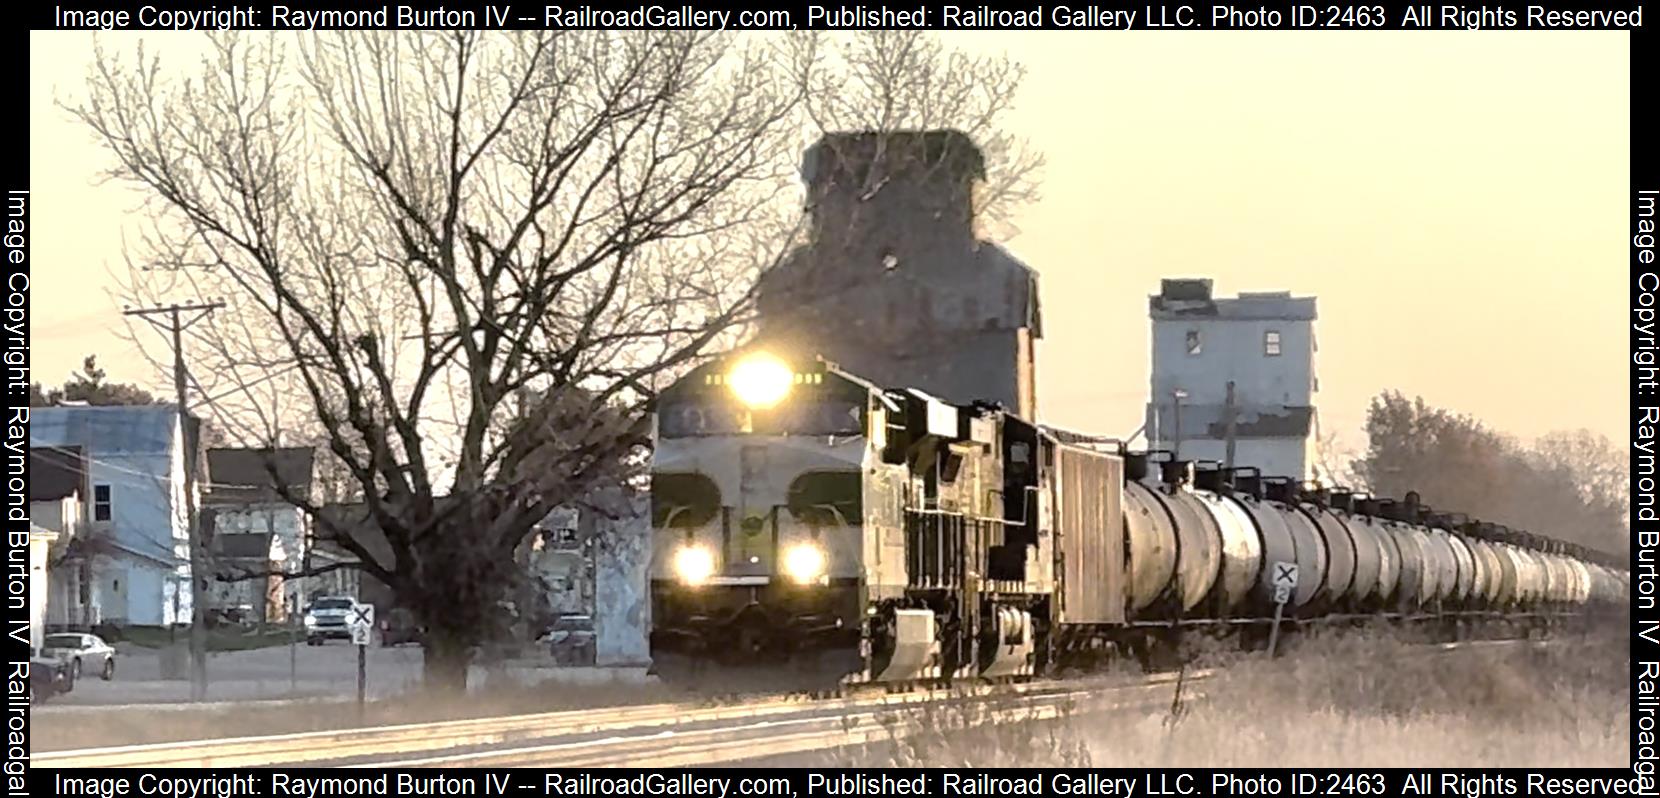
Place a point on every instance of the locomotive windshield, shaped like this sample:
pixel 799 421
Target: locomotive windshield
pixel 804 415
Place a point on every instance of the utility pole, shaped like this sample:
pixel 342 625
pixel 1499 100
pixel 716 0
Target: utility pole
pixel 1229 414
pixel 175 323
pixel 1177 396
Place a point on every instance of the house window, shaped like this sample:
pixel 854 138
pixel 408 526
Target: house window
pixel 1271 343
pixel 100 502
pixel 1195 344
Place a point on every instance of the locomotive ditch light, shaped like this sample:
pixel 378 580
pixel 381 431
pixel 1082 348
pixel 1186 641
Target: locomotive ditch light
pixel 760 380
pixel 804 563
pixel 694 564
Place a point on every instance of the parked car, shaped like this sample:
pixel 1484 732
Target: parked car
pixel 48 676
pixel 399 627
pixel 83 653
pixel 327 619
pixel 571 639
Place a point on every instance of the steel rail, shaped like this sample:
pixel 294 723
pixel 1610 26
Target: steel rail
pixel 745 741
pixel 669 734
pixel 406 739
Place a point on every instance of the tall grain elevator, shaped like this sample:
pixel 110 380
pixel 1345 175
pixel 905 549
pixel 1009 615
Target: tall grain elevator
pixel 894 283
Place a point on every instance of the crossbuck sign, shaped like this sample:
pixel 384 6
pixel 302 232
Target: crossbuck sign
pixel 1285 580
pixel 363 615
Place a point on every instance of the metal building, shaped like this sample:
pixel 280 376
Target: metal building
pixel 1239 369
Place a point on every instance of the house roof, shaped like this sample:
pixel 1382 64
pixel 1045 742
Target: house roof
pixel 108 429
pixel 245 475
pixel 1185 298
pixel 55 472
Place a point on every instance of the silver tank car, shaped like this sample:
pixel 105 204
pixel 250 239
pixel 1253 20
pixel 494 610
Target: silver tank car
pixel 1343 565
pixel 1194 531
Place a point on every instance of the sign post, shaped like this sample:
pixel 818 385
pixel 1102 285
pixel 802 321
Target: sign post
pixel 1285 581
pixel 362 622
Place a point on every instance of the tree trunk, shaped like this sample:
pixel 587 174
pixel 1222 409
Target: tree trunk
pixel 446 657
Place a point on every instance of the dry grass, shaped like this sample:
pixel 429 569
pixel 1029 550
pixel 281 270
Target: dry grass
pixel 1353 701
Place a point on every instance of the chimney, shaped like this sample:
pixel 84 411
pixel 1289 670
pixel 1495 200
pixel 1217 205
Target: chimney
pixel 1183 289
pixel 888 189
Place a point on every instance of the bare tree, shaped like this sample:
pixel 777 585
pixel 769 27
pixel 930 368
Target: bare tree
pixel 414 232
pixel 1334 461
pixel 89 386
pixel 412 228
pixel 1566 485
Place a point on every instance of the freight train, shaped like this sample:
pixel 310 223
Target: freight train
pixel 811 524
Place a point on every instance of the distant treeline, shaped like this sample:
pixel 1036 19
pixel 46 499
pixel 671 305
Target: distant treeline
pixel 1572 486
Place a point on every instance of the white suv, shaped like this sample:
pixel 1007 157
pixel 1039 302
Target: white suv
pixel 327 618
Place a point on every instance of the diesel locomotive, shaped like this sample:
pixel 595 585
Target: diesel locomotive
pixel 809 523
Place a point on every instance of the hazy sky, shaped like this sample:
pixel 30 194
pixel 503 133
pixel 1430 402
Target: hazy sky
pixel 1456 200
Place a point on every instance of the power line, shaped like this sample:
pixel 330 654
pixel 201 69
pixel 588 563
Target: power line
pixel 174 321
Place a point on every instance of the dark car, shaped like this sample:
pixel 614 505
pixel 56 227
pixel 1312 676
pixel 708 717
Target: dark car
pixel 84 653
pixel 571 640
pixel 399 627
pixel 48 676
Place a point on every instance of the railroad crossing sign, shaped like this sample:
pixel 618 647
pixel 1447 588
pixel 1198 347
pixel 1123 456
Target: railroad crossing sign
pixel 363 615
pixel 1285 580
pixel 361 621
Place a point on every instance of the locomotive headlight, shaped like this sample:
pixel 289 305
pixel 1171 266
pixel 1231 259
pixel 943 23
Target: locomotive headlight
pixel 804 563
pixel 760 380
pixel 694 564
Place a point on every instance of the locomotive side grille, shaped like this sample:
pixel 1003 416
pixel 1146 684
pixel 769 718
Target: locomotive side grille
pixel 934 548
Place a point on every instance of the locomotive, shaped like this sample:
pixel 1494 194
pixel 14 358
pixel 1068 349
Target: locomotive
pixel 809 523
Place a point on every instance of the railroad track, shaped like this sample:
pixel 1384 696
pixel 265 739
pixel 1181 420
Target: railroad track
pixel 752 739
pixel 668 735
pixel 656 733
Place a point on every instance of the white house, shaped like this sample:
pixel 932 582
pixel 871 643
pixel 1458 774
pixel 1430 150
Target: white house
pixel 1260 343
pixel 243 498
pixel 135 510
pixel 40 545
pixel 57 491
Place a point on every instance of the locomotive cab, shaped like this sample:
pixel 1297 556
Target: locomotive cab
pixel 758 516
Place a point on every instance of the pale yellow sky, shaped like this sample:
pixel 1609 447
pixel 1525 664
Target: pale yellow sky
pixel 1456 200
